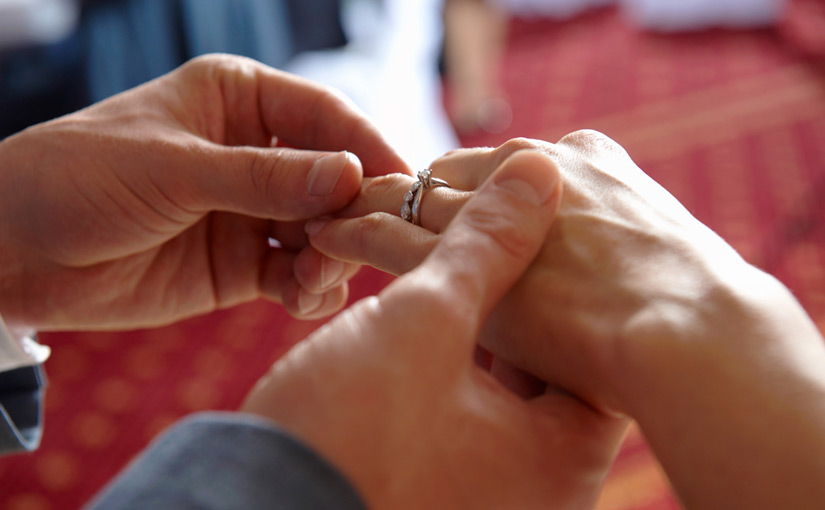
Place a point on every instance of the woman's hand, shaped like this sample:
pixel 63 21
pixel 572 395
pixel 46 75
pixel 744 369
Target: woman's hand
pixel 388 391
pixel 621 255
pixel 634 306
pixel 158 203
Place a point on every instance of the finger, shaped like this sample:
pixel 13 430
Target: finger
pixel 518 381
pixel 301 113
pixel 386 194
pixel 467 169
pixel 494 237
pixel 280 184
pixel 573 413
pixel 464 169
pixel 380 240
pixel 308 115
pixel 276 271
pixel 317 273
pixel 306 305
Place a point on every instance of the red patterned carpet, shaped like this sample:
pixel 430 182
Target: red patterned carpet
pixel 733 123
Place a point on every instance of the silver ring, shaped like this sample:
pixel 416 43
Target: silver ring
pixel 411 209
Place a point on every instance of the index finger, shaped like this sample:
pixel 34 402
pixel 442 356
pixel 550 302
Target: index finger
pixel 308 115
pixel 244 102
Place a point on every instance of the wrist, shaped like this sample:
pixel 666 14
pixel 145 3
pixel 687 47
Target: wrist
pixel 708 316
pixel 713 388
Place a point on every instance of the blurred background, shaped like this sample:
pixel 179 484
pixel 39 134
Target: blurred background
pixel 721 101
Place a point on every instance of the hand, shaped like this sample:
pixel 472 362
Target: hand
pixel 636 307
pixel 158 203
pixel 606 268
pixel 388 391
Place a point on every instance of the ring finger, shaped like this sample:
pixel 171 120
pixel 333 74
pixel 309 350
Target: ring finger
pixel 385 194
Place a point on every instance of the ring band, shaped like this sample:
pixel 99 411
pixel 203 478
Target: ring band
pixel 411 209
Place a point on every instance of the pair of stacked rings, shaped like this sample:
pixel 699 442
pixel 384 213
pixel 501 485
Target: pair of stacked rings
pixel 411 210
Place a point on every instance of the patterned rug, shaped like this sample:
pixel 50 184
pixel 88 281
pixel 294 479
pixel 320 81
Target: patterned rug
pixel 732 123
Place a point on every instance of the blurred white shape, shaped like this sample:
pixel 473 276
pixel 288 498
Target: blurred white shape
pixel 673 15
pixel 390 69
pixel 551 8
pixel 25 22
pixel 495 115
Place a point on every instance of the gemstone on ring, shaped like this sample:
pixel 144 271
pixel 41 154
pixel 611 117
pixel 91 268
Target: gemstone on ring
pixel 410 210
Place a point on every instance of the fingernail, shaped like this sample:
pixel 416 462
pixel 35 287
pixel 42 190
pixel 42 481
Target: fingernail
pixel 331 271
pixel 312 227
pixel 308 303
pixel 325 173
pixel 529 180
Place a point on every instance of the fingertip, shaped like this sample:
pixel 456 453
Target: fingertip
pixel 313 227
pixel 350 182
pixel 306 305
pixel 338 173
pixel 308 302
pixel 316 272
pixel 531 176
pixel 354 164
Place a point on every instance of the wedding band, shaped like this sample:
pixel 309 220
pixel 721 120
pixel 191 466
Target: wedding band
pixel 411 209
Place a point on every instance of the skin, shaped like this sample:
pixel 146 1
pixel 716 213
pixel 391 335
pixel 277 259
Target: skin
pixel 156 205
pixel 474 37
pixel 638 309
pixel 389 392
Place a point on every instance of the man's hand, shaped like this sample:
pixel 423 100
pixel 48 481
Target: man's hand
pixel 389 392
pixel 158 203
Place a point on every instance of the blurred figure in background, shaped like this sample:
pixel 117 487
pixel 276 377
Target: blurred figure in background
pixel 389 67
pixel 381 53
pixel 476 31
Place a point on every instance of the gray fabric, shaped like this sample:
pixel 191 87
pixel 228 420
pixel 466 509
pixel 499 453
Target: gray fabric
pixel 227 461
pixel 21 413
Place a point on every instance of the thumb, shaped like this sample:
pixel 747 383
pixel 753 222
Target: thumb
pixel 495 237
pixel 275 183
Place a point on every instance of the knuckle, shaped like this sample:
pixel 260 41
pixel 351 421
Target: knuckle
pixel 366 229
pixel 217 68
pixel 513 145
pixel 591 141
pixel 385 184
pixel 330 99
pixel 263 174
pixel 207 63
pixel 461 154
pixel 582 137
pixel 457 153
